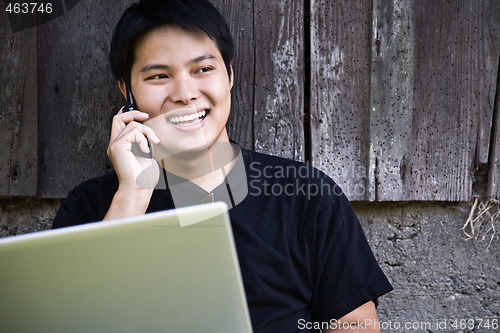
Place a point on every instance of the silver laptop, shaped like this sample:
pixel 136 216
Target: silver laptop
pixel 172 271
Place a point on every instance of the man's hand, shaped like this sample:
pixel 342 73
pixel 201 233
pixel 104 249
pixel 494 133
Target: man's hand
pixel 128 148
pixel 129 152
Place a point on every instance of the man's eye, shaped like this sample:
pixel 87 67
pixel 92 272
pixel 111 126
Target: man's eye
pixel 205 69
pixel 158 76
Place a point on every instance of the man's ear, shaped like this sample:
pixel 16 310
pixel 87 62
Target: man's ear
pixel 123 89
pixel 231 78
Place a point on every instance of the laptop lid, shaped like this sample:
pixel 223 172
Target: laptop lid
pixel 171 271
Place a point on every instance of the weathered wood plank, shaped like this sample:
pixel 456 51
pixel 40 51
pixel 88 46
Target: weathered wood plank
pixel 340 91
pixel 493 42
pixel 279 77
pixel 78 95
pixel 427 115
pixel 486 54
pixel 392 81
pixel 493 191
pixel 455 71
pixel 18 111
pixel 239 15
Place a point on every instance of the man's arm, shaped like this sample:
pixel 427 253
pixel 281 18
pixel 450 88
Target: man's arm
pixel 131 198
pixel 363 319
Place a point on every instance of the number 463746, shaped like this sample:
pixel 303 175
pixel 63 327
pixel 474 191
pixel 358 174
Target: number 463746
pixel 482 324
pixel 29 8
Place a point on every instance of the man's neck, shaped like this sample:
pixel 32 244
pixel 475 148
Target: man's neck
pixel 206 168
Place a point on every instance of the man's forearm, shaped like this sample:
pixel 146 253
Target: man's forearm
pixel 363 319
pixel 129 203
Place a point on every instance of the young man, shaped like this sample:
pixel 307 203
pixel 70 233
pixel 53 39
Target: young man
pixel 303 255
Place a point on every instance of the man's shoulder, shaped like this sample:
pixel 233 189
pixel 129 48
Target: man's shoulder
pixel 265 164
pixel 93 186
pixel 87 202
pixel 274 176
pixel 260 160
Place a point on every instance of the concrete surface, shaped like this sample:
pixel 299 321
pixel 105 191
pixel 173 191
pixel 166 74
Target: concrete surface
pixel 442 282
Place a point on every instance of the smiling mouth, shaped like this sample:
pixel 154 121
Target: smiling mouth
pixel 189 119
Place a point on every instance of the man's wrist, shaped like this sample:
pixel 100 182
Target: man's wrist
pixel 129 202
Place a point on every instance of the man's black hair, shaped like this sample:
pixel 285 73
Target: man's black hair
pixel 147 15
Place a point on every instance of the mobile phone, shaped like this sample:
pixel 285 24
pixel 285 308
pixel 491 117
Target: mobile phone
pixel 130 107
pixel 130 98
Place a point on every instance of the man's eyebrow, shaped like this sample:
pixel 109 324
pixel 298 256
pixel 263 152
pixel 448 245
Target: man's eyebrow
pixel 201 58
pixel 154 66
pixel 190 62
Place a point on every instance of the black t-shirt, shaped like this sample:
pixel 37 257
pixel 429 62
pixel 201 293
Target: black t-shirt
pixel 302 252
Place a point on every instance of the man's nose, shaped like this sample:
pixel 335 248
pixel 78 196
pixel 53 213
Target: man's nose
pixel 184 90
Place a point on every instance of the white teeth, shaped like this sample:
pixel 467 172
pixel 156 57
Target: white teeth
pixel 179 120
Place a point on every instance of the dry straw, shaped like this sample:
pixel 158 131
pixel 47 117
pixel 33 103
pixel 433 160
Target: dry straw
pixel 483 221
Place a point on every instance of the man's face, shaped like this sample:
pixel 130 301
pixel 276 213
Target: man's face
pixel 179 78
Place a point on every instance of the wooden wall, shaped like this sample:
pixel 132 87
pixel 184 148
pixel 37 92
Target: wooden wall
pixel 395 99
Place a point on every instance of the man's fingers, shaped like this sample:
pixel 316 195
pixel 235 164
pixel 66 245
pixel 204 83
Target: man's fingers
pixel 129 116
pixel 142 141
pixel 139 132
pixel 122 119
pixel 136 133
pixel 151 135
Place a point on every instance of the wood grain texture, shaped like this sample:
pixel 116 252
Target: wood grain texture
pixel 279 77
pixel 239 16
pixel 340 92
pixel 401 98
pixel 456 57
pixel 18 111
pixel 78 95
pixel 486 52
pixel 492 42
pixel 493 191
pixel 392 79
